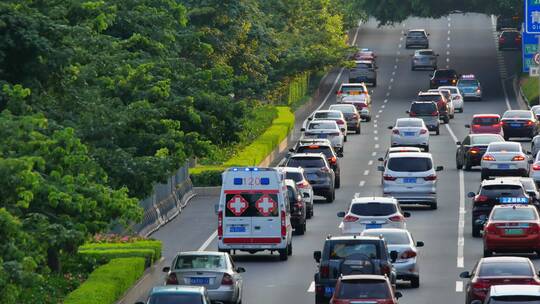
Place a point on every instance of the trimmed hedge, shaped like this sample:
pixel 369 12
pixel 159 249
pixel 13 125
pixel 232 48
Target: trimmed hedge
pixel 251 155
pixel 153 245
pixel 110 254
pixel 108 282
pixel 529 85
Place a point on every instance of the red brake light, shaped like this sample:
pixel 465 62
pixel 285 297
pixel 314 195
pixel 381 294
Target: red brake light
pixel 227 279
pixel 476 126
pixel 340 121
pixel 396 218
pixel 325 271
pixel 302 184
pixel 481 285
pixel 490 229
pixel 518 158
pixel 501 39
pixel 430 177
pixel 434 113
pixel 389 177
pixel 313 146
pixel 474 150
pixel 533 228
pixel 536 167
pixel 386 269
pixel 171 279
pixel 395 131
pixel 332 160
pixel 480 198
pixel 423 131
pixel 220 224
pixel 283 224
pixel 488 158
pixel 529 123
pixel 339 92
pixel 407 254
pixel 349 219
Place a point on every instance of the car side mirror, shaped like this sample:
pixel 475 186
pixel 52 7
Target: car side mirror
pixel 310 118
pixel 529 153
pixel 458 143
pixel 398 294
pixel 306 195
pixel 437 55
pixel 390 127
pixel 465 275
pixel 419 244
pixel 406 214
pixel 380 168
pixel 340 154
pixel 216 209
pixel 393 255
pixel 240 269
pixel 405 34
pixel 468 126
pixel 291 150
pixel 530 161
pixel 471 194
pixel 302 129
pixel 439 168
pixel 532 194
pixel 380 159
pixel 139 302
pixel 407 111
pixel 166 269
pixel 342 129
pixel 341 214
pixel 317 256
pixel 428 34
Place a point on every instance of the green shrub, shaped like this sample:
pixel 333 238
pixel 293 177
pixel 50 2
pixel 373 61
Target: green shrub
pixel 108 282
pixel 529 85
pixel 154 245
pixel 106 255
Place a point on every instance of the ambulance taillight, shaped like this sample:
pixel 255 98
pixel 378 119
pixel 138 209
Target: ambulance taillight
pixel 220 224
pixel 283 224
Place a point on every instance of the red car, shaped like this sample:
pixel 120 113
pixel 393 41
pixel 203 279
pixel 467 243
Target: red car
pixel 364 289
pixel 486 123
pixel 498 271
pixel 512 228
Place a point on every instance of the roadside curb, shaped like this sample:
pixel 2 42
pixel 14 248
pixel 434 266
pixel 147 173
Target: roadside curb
pixel 207 191
pixel 148 278
pixel 520 96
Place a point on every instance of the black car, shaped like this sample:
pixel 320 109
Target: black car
pixel 443 77
pixel 327 150
pixel 508 22
pixel 440 100
pixel 470 151
pixel 510 40
pixel 297 208
pixel 416 38
pixel 428 112
pixel 494 192
pixel 519 123
pixel 349 255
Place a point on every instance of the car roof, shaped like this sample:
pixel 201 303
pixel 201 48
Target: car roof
pixel 177 289
pixel 486 115
pixel 314 155
pixel 400 230
pixel 417 30
pixel 342 104
pixel 505 143
pixel 327 111
pixel 373 199
pixel 216 253
pixel 324 120
pixel 514 290
pixel 357 277
pixel 429 93
pixel 352 237
pixel 404 149
pixel 291 169
pixel 514 206
pixel 423 50
pixel 490 182
pixel 409 119
pixel 421 101
pixel 504 259
pixel 363 61
pixel 410 154
pixel 315 143
pixel 354 84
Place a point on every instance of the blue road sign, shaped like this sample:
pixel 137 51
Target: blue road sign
pixel 532 16
pixel 529 47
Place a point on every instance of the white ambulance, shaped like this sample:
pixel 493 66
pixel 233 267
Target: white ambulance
pixel 254 212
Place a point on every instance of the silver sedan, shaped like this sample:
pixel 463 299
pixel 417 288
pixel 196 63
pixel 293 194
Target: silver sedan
pixel 214 270
pixel 401 240
pixel 410 132
pixel 424 59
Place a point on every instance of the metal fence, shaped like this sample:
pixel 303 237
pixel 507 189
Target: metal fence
pixel 167 201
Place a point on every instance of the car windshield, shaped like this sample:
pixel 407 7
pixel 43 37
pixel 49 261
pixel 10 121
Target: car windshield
pixel 425 53
pixel 295 176
pixel 343 108
pixel 410 164
pixel 391 238
pixel 409 123
pixel 445 73
pixel 515 300
pixel 373 209
pixel 200 262
pixel 517 114
pixel 423 108
pixel 485 121
pixel 342 250
pixel 176 298
pixel 327 151
pixel 502 190
pixel 327 115
pixel 510 34
pixel 468 83
pixel 485 139
pixel 322 125
pixel 363 289
pixel 503 269
pixel 511 214
pixel 306 162
pixel 503 147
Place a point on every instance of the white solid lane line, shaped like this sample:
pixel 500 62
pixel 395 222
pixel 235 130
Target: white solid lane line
pixel 207 243
pixel 459 286
pixel 311 287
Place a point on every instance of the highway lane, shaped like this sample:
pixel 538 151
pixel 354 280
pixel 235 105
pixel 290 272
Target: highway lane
pixel 468 39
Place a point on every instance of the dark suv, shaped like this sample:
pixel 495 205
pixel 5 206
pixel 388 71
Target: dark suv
pixel 350 255
pixel 297 207
pixel 443 77
pixel 494 192
pixel 440 100
pixel 326 149
pixel 318 173
pixel 428 111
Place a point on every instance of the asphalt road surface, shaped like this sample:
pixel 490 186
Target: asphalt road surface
pixel 465 43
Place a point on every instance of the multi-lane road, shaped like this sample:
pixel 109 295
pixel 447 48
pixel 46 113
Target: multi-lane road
pixel 465 43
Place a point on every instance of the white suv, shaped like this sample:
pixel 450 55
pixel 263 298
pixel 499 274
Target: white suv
pixel 410 177
pixel 298 175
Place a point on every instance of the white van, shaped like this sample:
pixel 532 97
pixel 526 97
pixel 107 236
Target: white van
pixel 253 211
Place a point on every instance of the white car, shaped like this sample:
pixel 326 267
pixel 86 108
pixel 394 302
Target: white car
pixel 411 178
pixel 298 175
pixel 325 129
pixel 535 169
pixel 334 115
pixel 348 89
pixel 370 213
pixel 504 159
pixel 410 132
pixel 457 99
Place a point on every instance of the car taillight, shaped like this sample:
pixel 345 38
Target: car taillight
pixel 536 167
pixel 407 254
pixel 488 158
pixel 518 158
pixel 476 126
pixel 501 39
pixel 389 177
pixel 220 224
pixel 339 93
pixel 456 97
pixel 395 131
pixel 396 218
pixel 533 228
pixel 386 269
pixel 474 150
pixel 431 177
pixel 503 122
pixel 332 160
pixel 530 123
pixel 478 91
pixel 350 218
pixel 423 131
pixel 434 113
pixel 497 125
pixel 355 116
pixel 324 170
pixel 334 134
pixel 227 279
pixel 490 229
pixel 283 224
pixel 454 81
pixel 340 122
pixel 325 271
pixel 303 184
pixel 171 279
pixel 480 198
pixel 412 114
pixel 482 285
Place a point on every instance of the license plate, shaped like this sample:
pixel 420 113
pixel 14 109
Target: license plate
pixel 354 93
pixel 503 166
pixel 443 81
pixel 409 180
pixel 329 290
pixel 237 229
pixel 409 133
pixel 200 281
pixel 513 200
pixel 515 125
pixel 513 231
pixel 322 136
pixel 373 226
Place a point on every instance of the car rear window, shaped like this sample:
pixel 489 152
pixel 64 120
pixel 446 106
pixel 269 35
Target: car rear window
pixel 364 65
pixel 322 125
pixel 175 298
pixel 306 162
pixel 316 149
pixel 425 53
pixel 505 269
pixel 351 89
pixel 445 73
pixel 485 139
pixel 410 164
pixel 510 34
pixel 503 147
pixel 200 262
pixel 416 34
pixel 517 114
pixel 391 238
pixel 510 214
pixel 373 209
pixel 245 204
pixel 428 97
pixel 514 299
pixel 343 108
pixel 468 82
pixel 327 115
pixel 485 121
pixel 409 123
pixel 295 176
pixel 363 289
pixel 502 190
pixel 342 250
pixel 423 108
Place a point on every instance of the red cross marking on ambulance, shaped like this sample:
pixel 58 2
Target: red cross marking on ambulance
pixel 265 205
pixel 237 205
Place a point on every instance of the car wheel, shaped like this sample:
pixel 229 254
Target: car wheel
pixel 412 68
pixel 484 175
pixel 284 253
pixel 426 148
pixel 375 83
pixel 301 229
pixel 320 299
pixel 487 253
pixel 345 138
pixel 437 132
pixel 506 138
pixel 358 130
pixel 459 165
pixel 433 206
pixel 415 282
pixel 289 249
pixel 467 165
pixel 452 116
pixel 368 118
pixel 337 183
pixel 309 213
pixel 330 197
pixel 446 120
pixel 475 231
